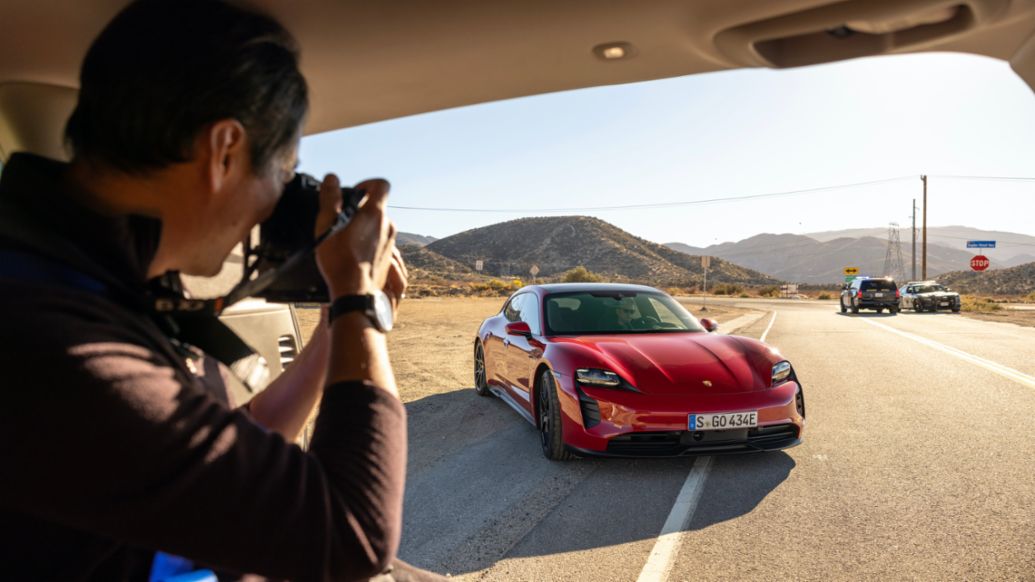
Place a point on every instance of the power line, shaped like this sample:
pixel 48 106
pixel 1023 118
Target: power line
pixel 659 204
pixel 985 178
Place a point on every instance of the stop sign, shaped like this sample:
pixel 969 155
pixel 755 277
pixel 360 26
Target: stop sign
pixel 979 263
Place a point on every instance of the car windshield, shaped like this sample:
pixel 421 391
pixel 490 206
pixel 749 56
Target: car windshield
pixel 930 288
pixel 609 312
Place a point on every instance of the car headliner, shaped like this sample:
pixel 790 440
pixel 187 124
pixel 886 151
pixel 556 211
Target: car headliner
pixel 370 61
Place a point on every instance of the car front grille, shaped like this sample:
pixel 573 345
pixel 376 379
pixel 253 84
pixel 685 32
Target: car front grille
pixel 677 443
pixel 590 410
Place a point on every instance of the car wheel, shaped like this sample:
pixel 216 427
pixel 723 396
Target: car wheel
pixel 549 419
pixel 880 310
pixel 843 308
pixel 481 384
pixel 917 307
pixel 893 310
pixel 955 309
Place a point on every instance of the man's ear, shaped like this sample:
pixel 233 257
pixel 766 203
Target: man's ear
pixel 227 151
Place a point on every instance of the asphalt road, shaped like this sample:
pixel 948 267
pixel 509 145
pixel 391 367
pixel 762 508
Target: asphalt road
pixel 918 463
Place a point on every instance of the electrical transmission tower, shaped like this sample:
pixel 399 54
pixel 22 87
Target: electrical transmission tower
pixel 893 264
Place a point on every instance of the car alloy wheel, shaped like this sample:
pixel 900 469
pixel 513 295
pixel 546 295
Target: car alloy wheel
pixel 917 307
pixel 481 385
pixel 548 418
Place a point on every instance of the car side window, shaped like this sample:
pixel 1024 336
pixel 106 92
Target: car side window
pixel 529 312
pixel 512 310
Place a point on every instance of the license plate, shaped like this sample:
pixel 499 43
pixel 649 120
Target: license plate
pixel 723 421
pixel 944 304
pixel 878 295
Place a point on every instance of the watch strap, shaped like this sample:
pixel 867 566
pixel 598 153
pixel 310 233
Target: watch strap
pixel 349 303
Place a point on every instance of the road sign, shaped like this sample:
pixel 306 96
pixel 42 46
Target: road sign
pixel 534 270
pixel 850 270
pixel 478 265
pixel 980 244
pixel 848 278
pixel 979 263
pixel 706 262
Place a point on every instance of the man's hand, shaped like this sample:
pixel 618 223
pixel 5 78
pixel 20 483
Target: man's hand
pixel 362 257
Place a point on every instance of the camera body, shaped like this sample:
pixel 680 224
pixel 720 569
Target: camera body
pixel 285 237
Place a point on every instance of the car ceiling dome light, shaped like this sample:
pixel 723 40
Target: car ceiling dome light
pixel 614 51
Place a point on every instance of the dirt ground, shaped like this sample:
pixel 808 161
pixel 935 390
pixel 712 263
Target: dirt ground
pixel 432 345
pixel 1025 318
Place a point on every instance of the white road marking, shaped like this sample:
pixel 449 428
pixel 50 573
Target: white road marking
pixel 741 322
pixel 662 557
pixel 997 368
pixel 767 329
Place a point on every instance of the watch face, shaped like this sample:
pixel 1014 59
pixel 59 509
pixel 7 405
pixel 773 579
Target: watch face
pixel 383 311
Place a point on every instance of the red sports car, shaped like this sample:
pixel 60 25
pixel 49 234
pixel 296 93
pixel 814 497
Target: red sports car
pixel 626 371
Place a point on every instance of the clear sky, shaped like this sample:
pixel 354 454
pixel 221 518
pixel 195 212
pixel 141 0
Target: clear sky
pixel 716 135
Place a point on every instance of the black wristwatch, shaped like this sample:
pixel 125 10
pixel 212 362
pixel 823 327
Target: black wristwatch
pixel 376 306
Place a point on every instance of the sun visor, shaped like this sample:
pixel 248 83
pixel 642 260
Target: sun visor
pixel 858 28
pixel 32 118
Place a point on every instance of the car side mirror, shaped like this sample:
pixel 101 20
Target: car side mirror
pixel 519 328
pixel 710 324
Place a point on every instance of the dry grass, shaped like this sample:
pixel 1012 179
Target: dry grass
pixel 432 345
pixel 972 304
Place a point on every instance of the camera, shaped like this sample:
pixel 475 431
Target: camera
pixel 283 266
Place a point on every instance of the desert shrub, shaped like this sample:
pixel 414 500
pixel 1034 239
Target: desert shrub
pixel 674 291
pixel 727 289
pixel 744 296
pixel 979 304
pixel 770 291
pixel 824 296
pixel 581 274
pixel 1030 297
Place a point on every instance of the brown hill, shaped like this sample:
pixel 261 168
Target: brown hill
pixel 1019 280
pixel 793 257
pixel 424 264
pixel 556 244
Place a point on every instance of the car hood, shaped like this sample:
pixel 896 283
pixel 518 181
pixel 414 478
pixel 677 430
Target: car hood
pixel 683 363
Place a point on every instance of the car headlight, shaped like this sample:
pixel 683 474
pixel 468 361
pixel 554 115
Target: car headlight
pixel 603 379
pixel 595 377
pixel 781 372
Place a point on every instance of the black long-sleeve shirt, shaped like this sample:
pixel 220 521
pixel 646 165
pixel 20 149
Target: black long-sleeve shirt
pixel 111 448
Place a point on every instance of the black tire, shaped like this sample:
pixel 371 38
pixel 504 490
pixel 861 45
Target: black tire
pixel 481 384
pixel 893 310
pixel 843 308
pixel 917 307
pixel 955 309
pixel 548 419
pixel 855 309
pixel 881 310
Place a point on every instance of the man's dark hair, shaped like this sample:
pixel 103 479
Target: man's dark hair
pixel 164 69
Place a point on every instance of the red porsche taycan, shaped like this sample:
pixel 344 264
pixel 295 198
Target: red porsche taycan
pixel 626 371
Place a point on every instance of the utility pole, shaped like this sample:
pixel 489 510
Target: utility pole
pixel 914 239
pixel 924 263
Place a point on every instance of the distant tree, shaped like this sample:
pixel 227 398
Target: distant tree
pixel 581 274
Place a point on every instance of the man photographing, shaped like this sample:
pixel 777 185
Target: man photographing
pixel 113 445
